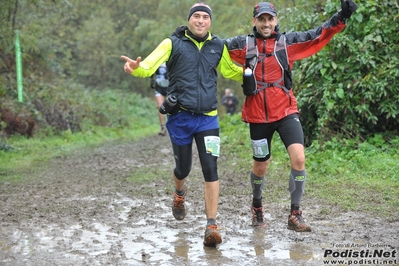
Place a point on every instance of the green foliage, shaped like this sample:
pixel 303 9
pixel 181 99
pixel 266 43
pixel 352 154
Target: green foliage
pixel 85 109
pixel 5 147
pixel 350 87
pixel 356 175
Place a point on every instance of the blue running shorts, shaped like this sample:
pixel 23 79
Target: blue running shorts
pixel 184 125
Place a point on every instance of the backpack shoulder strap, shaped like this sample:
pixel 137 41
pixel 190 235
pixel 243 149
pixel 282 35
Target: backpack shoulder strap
pixel 252 53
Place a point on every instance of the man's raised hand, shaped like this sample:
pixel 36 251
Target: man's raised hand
pixel 347 8
pixel 130 64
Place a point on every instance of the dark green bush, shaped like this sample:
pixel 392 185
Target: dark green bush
pixel 350 88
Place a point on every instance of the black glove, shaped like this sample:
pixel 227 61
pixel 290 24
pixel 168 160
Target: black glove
pixel 152 84
pixel 347 8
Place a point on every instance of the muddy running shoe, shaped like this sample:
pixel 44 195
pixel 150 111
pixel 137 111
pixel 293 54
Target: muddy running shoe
pixel 163 131
pixel 258 217
pixel 212 236
pixel 296 222
pixel 179 208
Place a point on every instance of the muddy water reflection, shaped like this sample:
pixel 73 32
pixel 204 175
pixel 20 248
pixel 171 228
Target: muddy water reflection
pixel 155 240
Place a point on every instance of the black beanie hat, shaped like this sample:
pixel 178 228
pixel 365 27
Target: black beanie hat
pixel 199 8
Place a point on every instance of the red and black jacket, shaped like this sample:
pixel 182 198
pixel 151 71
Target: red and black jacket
pixel 274 100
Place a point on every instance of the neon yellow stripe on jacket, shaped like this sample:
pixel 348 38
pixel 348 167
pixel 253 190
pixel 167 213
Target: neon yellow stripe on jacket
pixel 152 62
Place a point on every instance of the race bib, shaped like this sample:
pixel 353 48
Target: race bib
pixel 260 148
pixel 212 145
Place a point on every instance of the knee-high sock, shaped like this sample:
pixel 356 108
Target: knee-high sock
pixel 297 185
pixel 257 184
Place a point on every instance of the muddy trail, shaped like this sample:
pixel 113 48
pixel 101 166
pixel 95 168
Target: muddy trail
pixel 82 209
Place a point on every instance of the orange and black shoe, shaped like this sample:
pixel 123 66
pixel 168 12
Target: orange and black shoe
pixel 212 236
pixel 258 217
pixel 296 222
pixel 179 208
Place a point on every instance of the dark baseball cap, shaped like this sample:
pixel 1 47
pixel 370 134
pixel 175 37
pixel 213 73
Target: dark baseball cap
pixel 264 7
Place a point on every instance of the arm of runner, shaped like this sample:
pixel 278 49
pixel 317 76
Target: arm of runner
pixel 151 63
pixel 227 67
pixel 304 44
pixel 237 48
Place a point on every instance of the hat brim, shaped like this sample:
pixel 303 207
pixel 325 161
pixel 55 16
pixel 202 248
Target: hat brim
pixel 266 12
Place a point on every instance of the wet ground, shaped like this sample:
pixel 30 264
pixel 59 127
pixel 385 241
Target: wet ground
pixel 83 209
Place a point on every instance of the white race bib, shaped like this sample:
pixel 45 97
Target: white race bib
pixel 212 145
pixel 260 148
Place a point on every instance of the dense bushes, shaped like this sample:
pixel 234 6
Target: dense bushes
pixel 74 108
pixel 351 87
pixel 71 62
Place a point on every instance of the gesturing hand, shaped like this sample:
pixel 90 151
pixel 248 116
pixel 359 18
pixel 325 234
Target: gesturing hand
pixel 130 64
pixel 347 8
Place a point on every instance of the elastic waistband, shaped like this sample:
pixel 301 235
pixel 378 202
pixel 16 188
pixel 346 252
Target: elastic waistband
pixel 211 113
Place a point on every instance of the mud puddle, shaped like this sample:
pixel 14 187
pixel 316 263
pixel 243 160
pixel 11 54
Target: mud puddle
pixel 83 210
pixel 155 241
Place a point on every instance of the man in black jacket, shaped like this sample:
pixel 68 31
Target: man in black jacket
pixel 191 105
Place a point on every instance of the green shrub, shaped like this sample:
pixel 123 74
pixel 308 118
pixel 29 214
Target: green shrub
pixel 350 88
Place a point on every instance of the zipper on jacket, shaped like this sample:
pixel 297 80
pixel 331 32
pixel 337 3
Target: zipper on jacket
pixel 263 80
pixel 199 96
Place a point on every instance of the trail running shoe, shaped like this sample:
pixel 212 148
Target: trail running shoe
pixel 212 236
pixel 258 217
pixel 296 222
pixel 179 208
pixel 163 131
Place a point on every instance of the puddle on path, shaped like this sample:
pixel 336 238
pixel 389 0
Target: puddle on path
pixel 83 210
pixel 162 241
pixel 155 239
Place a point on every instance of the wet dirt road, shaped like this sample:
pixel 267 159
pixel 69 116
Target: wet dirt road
pixel 83 210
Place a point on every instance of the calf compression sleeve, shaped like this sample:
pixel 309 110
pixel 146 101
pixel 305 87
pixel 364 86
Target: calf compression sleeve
pixel 297 185
pixel 257 184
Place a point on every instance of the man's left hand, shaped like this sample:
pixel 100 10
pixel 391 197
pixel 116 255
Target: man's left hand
pixel 347 8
